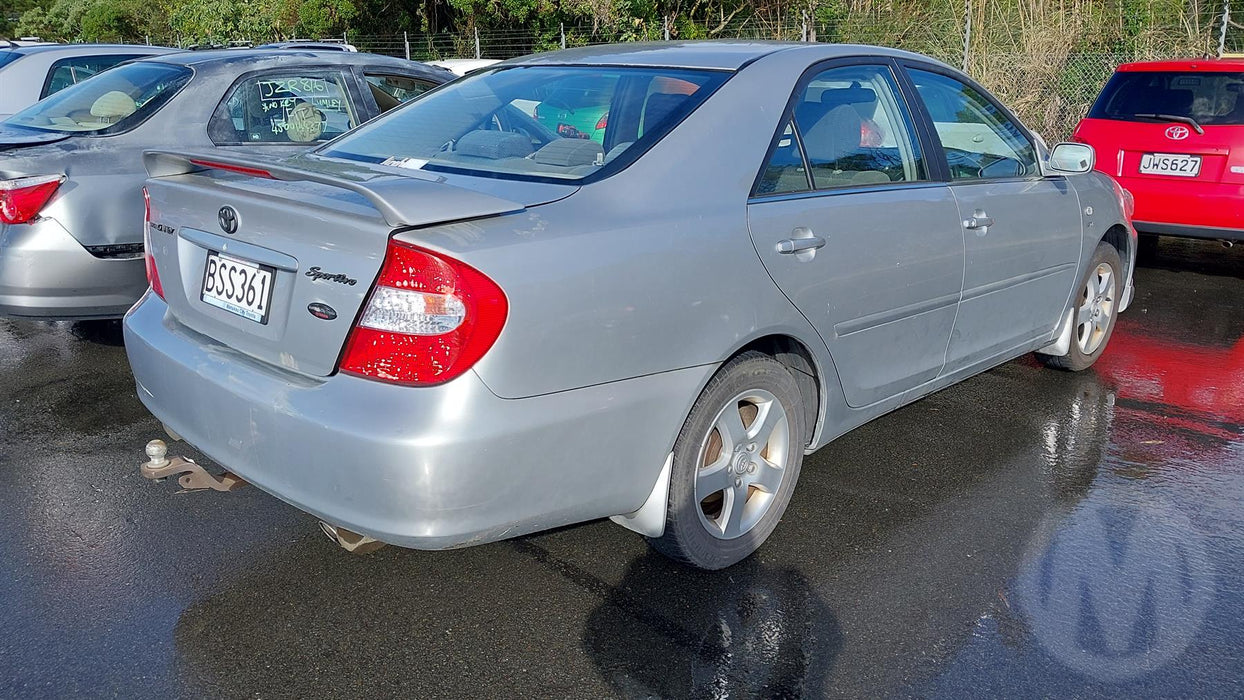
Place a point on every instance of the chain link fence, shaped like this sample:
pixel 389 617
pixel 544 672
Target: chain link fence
pixel 1047 62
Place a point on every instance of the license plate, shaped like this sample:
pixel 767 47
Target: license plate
pixel 1170 164
pixel 238 286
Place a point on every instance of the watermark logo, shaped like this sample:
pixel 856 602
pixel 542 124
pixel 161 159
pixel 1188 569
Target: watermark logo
pixel 1118 588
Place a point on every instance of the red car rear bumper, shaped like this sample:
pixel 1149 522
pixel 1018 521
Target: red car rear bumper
pixel 1193 209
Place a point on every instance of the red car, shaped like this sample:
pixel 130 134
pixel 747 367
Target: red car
pixel 1172 133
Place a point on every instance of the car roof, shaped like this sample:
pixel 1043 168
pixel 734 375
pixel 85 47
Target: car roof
pixel 1210 65
pixel 78 49
pixel 262 58
pixel 717 54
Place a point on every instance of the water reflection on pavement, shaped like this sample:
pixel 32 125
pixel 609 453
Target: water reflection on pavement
pixel 1025 533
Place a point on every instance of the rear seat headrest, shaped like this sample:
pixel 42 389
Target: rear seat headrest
pixel 493 145
pixel 570 152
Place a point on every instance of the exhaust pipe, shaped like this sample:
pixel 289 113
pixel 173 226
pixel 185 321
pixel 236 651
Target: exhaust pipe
pixel 1227 244
pixel 349 540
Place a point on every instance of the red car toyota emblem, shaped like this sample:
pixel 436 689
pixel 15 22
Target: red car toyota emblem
pixel 1177 133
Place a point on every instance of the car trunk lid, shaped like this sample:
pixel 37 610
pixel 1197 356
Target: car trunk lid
pixel 320 234
pixel 12 137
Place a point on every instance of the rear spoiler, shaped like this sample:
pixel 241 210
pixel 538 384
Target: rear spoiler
pixel 406 200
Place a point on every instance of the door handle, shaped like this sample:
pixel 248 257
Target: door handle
pixel 978 220
pixel 790 246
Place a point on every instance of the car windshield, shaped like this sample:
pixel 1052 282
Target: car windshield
pixel 111 101
pixel 540 122
pixel 1209 98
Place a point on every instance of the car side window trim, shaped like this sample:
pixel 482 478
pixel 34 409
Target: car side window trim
pixel 919 140
pixel 943 163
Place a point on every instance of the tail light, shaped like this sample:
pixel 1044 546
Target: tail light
pixel 21 199
pixel 603 121
pixel 429 319
pixel 153 275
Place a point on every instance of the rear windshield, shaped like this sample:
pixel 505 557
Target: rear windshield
pixel 112 101
pixel 7 57
pixel 542 122
pixel 1209 98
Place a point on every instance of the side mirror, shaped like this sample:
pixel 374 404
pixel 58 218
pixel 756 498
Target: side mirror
pixel 1072 158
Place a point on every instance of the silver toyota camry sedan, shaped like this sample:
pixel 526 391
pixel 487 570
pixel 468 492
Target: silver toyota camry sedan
pixel 484 315
pixel 71 168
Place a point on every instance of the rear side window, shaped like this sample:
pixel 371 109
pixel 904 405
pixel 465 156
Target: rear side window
pixel 390 91
pixel 1209 98
pixel 71 71
pixel 854 130
pixel 284 108
pixel 7 57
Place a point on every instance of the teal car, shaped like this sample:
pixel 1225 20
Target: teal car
pixel 578 107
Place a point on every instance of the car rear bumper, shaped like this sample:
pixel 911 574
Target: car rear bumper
pixel 46 273
pixel 1195 209
pixel 428 468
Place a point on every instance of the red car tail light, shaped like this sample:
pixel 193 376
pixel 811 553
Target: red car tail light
pixel 153 275
pixel 21 199
pixel 429 319
pixel 603 121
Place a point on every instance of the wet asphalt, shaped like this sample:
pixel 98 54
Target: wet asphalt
pixel 1025 533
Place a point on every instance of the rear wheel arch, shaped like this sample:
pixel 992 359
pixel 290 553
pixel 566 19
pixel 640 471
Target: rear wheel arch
pixel 793 354
pixel 1118 237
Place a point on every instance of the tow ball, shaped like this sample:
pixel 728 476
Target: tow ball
pixel 193 477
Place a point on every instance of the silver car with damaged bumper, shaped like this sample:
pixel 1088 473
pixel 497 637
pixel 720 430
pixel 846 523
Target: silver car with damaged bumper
pixel 71 169
pixel 461 323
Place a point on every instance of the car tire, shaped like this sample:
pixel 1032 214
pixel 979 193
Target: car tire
pixel 754 454
pixel 1096 310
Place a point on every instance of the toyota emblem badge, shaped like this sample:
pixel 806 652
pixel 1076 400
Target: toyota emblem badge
pixel 1177 133
pixel 228 217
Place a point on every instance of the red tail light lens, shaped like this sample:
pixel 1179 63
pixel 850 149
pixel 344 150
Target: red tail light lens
pixel 153 275
pixel 21 199
pixel 428 320
pixel 603 121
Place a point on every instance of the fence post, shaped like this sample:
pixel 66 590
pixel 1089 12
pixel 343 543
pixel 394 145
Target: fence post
pixel 406 42
pixel 563 31
pixel 666 22
pixel 803 35
pixel 1222 33
pixel 967 32
pixel 477 52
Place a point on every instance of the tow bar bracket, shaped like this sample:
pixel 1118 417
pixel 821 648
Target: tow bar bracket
pixel 193 477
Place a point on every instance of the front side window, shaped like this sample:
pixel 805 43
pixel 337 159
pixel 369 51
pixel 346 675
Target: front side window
pixel 71 71
pixel 854 130
pixel 390 91
pixel 284 108
pixel 1209 98
pixel 556 123
pixel 980 141
pixel 112 101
